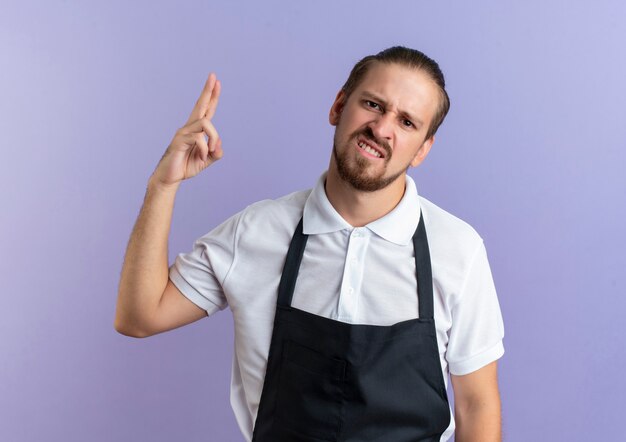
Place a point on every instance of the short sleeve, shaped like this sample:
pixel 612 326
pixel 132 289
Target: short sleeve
pixel 200 274
pixel 477 329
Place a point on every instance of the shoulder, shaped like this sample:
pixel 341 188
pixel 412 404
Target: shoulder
pixel 272 218
pixel 440 222
pixel 453 242
pixel 261 219
pixel 272 210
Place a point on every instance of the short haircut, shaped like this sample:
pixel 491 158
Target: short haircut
pixel 411 58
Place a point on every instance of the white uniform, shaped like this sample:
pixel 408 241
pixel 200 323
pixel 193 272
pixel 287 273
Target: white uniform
pixel 239 264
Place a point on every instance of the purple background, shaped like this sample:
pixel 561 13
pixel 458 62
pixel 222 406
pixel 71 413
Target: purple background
pixel 532 155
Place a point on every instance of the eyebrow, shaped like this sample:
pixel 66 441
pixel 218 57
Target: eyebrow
pixel 374 97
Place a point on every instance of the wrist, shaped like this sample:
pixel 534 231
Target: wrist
pixel 157 185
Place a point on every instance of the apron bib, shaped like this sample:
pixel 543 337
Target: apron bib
pixel 327 380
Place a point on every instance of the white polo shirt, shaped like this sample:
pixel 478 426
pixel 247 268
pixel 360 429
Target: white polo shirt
pixel 360 275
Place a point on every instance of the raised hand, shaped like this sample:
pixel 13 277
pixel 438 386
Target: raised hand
pixel 196 145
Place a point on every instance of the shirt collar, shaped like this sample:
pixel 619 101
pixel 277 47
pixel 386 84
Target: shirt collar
pixel 398 226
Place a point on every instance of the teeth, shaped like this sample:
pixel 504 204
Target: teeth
pixel 369 150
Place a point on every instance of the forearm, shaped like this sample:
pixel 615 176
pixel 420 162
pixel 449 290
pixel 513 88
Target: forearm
pixel 145 270
pixel 479 422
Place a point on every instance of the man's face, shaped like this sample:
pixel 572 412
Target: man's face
pixel 381 127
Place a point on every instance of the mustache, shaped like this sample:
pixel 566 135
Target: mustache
pixel 368 134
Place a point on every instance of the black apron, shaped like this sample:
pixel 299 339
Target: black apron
pixel 327 380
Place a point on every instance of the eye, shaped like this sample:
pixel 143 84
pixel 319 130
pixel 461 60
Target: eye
pixel 372 104
pixel 407 123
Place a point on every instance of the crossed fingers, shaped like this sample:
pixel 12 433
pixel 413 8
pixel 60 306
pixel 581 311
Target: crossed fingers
pixel 207 103
pixel 199 123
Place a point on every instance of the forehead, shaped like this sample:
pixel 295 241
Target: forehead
pixel 403 88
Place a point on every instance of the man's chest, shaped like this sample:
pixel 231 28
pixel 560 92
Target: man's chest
pixel 357 277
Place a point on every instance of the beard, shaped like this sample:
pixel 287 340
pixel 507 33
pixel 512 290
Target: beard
pixel 356 173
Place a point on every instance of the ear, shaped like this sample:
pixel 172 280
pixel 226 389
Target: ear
pixel 422 152
pixel 337 108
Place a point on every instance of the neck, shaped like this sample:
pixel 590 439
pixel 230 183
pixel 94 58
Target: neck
pixel 357 207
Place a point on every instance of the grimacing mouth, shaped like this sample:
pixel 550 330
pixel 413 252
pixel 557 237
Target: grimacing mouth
pixel 371 147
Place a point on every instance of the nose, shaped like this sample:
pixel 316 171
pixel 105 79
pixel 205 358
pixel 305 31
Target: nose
pixel 382 126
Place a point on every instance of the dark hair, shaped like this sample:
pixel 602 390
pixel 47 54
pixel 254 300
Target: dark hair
pixel 411 58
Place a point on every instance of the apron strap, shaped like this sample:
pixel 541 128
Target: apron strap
pixel 292 265
pixel 424 271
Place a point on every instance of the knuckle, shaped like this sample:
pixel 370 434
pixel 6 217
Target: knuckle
pixel 182 131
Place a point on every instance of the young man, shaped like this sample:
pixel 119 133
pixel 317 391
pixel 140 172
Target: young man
pixel 353 301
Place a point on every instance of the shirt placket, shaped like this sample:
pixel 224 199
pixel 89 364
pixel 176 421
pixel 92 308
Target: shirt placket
pixel 348 304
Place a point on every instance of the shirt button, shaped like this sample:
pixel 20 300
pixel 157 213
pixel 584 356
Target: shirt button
pixel 355 261
pixel 351 290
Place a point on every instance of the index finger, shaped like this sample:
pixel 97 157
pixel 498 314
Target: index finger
pixel 202 105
